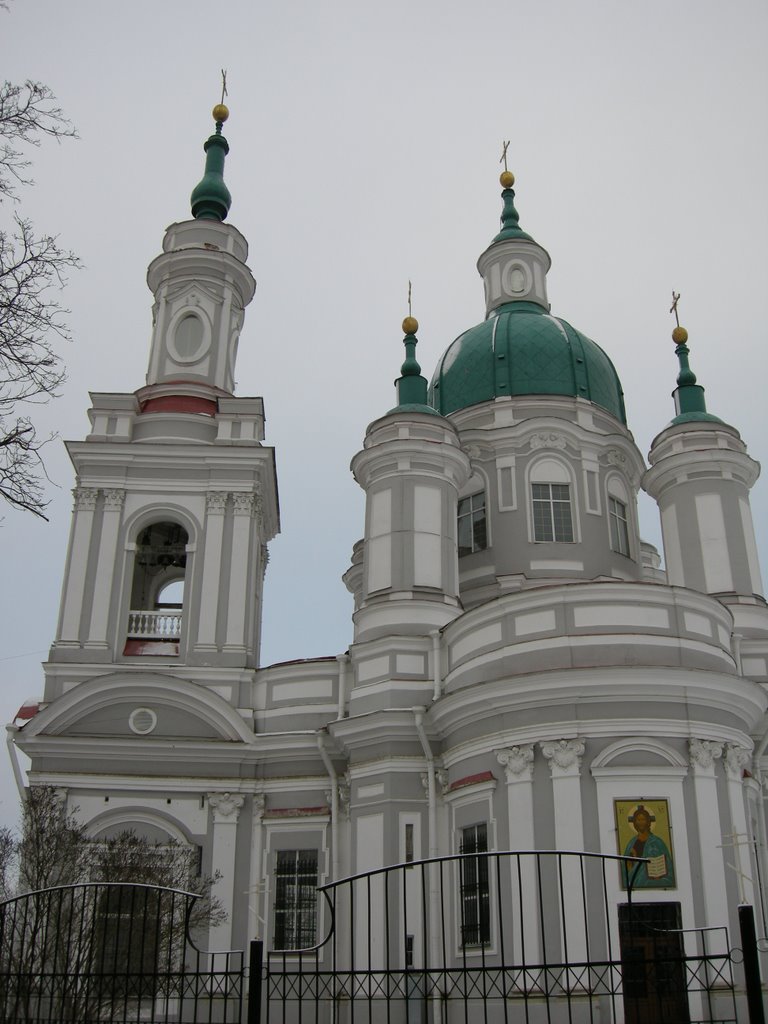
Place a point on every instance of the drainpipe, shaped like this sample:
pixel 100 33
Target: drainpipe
pixel 436 676
pixel 321 738
pixel 10 732
pixel 434 888
pixel 343 660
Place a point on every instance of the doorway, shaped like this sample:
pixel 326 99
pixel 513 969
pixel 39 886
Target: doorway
pixel 653 963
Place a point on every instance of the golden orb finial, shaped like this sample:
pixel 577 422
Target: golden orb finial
pixel 220 112
pixel 410 325
pixel 679 335
pixel 507 179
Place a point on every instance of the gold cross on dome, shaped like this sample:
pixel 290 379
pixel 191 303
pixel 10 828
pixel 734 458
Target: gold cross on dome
pixel 409 299
pixel 673 307
pixel 223 84
pixel 503 158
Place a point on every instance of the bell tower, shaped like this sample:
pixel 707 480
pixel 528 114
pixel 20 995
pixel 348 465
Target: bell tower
pixel 176 494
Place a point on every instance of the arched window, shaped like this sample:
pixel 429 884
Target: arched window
pixel 551 502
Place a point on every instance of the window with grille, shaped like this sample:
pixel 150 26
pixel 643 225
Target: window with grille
pixel 295 899
pixel 473 534
pixel 617 517
pixel 552 518
pixel 474 893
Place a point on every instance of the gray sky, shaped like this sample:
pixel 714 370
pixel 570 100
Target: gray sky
pixel 365 140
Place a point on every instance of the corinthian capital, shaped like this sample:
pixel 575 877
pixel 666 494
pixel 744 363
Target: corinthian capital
pixel 517 761
pixel 564 756
pixel 85 498
pixel 114 499
pixel 216 501
pixel 704 752
pixel 245 504
pixel 737 758
pixel 225 806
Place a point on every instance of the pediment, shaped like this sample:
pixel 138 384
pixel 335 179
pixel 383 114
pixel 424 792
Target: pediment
pixel 123 705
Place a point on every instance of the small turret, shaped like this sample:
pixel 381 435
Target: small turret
pixel 411 469
pixel 701 476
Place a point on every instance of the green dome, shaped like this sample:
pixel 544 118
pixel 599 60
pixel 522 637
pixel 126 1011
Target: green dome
pixel 523 350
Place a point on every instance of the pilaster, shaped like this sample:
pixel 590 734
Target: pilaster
pixel 518 762
pixel 114 500
pixel 703 754
pixel 564 758
pixel 245 507
pixel 225 809
pixel 216 504
pixel 736 759
pixel 77 565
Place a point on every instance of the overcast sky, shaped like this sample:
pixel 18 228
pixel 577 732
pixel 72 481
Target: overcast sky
pixel 365 139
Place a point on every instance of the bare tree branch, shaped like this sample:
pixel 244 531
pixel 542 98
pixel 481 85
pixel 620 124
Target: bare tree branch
pixel 28 113
pixel 33 268
pixel 31 371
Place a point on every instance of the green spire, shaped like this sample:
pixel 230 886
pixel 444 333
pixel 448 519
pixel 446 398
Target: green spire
pixel 689 396
pixel 211 198
pixel 411 386
pixel 510 218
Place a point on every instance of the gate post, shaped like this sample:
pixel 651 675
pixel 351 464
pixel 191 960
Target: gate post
pixel 751 964
pixel 255 967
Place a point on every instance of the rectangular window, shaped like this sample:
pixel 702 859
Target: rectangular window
pixel 552 512
pixel 295 899
pixel 473 535
pixel 474 892
pixel 617 516
pixel 409 843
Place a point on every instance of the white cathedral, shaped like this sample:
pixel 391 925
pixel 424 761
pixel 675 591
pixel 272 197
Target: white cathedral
pixel 522 673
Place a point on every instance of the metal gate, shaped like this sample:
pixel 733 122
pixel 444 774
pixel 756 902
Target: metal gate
pixel 496 937
pixel 104 953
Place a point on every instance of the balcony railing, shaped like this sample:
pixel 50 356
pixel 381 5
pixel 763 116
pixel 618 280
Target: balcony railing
pixel 156 625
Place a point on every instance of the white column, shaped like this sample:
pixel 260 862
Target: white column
pixel 216 503
pixel 245 506
pixel 77 568
pixel 739 844
pixel 105 568
pixel 703 755
pixel 226 811
pixel 564 757
pixel 518 768
pixel 257 928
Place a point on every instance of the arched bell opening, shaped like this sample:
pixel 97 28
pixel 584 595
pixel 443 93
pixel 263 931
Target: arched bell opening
pixel 157 591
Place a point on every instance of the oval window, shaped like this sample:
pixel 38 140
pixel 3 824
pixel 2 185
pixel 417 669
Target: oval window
pixel 189 335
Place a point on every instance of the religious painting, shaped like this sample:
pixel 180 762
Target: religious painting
pixel 643 829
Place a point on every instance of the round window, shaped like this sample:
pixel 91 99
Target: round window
pixel 142 721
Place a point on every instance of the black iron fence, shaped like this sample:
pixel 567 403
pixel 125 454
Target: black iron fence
pixel 501 937
pixel 494 937
pixel 111 952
